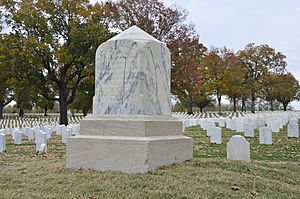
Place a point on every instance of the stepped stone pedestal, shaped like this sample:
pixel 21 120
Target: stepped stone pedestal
pixel 131 129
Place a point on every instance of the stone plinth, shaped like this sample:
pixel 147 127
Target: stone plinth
pixel 131 129
pixel 127 154
pixel 129 125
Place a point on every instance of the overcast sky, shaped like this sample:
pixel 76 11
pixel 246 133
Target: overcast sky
pixel 234 23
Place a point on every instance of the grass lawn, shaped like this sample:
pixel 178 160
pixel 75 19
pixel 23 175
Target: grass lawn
pixel 274 172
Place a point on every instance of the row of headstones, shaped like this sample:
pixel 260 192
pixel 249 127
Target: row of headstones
pixel 39 134
pixel 265 133
pixel 238 148
pixel 209 115
pixel 9 123
pixel 274 121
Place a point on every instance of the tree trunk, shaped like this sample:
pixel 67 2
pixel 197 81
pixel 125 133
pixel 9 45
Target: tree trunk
pixel 219 104
pixel 253 102
pixel 63 107
pixel 243 104
pixel 1 111
pixel 45 111
pixel 201 109
pixel 84 112
pixel 190 106
pixel 234 104
pixel 21 112
pixel 284 106
pixel 271 104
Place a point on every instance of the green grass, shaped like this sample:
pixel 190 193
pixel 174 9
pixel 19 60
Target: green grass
pixel 282 149
pixel 274 172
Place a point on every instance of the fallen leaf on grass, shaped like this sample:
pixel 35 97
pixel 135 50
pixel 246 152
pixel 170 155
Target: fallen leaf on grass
pixel 92 197
pixel 235 188
pixel 253 193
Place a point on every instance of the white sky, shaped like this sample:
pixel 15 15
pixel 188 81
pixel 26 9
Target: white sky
pixel 234 23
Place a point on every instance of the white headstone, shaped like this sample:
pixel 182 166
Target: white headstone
pixel 59 129
pixel 238 148
pixel 293 130
pixel 265 135
pixel 40 138
pixel 48 131
pixel 30 134
pixel 248 130
pixel 239 126
pixel 42 149
pixel 65 134
pixel 17 136
pixel 2 143
pixel 216 135
pixel 221 122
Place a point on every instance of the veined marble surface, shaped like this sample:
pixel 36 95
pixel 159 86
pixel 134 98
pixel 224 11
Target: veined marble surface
pixel 132 75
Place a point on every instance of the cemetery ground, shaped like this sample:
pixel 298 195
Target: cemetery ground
pixel 274 172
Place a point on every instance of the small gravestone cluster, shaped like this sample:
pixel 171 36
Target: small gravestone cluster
pixel 38 134
pixel 238 148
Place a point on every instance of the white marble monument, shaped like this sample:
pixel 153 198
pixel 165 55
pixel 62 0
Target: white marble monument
pixel 238 148
pixel 131 128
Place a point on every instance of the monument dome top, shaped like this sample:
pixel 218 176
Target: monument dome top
pixel 134 33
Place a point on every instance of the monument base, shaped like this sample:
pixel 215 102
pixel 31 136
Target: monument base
pixel 127 154
pixel 133 152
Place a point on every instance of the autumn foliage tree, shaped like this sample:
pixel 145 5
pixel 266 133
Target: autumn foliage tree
pixel 234 79
pixel 259 60
pixel 212 68
pixel 269 86
pixel 66 35
pixel 287 89
pixel 7 78
pixel 152 16
pixel 186 55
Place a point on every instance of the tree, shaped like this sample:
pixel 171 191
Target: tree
pixel 66 35
pixel 203 99
pixel 212 69
pixel 6 76
pixel 269 88
pixel 258 60
pixel 45 104
pixel 186 55
pixel 86 91
pixel 150 15
pixel 234 79
pixel 287 89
